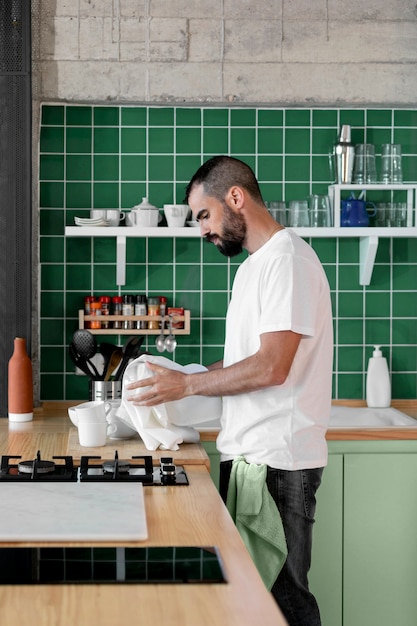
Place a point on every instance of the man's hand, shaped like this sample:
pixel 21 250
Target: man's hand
pixel 164 385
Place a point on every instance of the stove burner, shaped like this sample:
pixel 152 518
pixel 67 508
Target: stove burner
pixel 110 467
pixel 42 467
pixel 138 468
pixel 37 469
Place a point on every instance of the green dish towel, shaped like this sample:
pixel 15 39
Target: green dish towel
pixel 257 518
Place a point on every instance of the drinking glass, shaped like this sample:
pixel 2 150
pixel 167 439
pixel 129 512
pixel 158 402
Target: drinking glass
pixel 364 167
pixel 401 214
pixel 381 210
pixel 278 210
pixel 298 214
pixel 391 163
pixel 320 211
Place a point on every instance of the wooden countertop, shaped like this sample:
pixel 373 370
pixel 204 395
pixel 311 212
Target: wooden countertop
pixel 186 516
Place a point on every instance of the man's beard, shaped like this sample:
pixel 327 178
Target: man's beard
pixel 234 233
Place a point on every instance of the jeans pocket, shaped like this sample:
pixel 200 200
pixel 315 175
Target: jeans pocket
pixel 311 479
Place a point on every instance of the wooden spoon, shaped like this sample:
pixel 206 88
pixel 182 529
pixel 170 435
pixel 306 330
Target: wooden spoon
pixel 114 361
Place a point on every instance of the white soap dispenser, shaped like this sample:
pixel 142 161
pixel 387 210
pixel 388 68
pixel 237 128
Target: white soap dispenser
pixel 378 382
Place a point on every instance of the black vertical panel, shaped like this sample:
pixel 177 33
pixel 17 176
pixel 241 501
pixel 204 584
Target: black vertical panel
pixel 15 182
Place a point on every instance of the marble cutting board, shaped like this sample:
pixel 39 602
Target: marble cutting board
pixel 72 512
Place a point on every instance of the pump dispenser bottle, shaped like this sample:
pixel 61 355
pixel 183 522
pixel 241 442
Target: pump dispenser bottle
pixel 378 382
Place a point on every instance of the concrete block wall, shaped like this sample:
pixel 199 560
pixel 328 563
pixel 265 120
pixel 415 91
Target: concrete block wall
pixel 326 52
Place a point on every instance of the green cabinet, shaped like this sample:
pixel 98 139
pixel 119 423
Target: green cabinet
pixel 364 564
pixel 326 577
pixel 214 456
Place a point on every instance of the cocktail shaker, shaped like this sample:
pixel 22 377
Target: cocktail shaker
pixel 344 156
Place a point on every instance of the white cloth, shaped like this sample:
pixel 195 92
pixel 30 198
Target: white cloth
pixel 282 286
pixel 166 425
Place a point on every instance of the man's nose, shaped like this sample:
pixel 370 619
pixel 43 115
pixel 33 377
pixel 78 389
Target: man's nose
pixel 204 228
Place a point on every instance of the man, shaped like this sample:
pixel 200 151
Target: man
pixel 275 378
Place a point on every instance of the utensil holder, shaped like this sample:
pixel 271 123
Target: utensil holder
pixel 105 390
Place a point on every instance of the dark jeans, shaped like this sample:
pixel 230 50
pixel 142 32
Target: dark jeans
pixel 294 494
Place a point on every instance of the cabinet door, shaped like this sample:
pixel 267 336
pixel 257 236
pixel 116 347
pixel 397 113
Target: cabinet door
pixel 326 581
pixel 214 456
pixel 380 545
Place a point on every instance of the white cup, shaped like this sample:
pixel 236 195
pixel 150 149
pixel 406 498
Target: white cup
pixel 176 214
pixel 121 429
pixel 93 411
pixel 113 216
pixel 94 434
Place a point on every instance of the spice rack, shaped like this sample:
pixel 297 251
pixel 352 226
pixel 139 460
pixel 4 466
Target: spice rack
pixel 82 318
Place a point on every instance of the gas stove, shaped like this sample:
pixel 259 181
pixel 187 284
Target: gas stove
pixel 64 469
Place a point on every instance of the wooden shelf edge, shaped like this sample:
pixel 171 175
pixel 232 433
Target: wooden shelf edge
pixel 186 318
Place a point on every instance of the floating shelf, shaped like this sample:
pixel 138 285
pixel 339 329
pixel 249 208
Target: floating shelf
pixel 368 244
pixel 134 318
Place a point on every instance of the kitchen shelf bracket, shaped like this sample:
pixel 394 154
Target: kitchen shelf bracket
pixel 120 260
pixel 368 247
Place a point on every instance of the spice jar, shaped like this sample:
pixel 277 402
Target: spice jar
pixel 153 309
pixel 128 309
pixel 87 308
pixel 95 310
pixel 117 310
pixel 141 308
pixel 105 309
pixel 162 309
pixel 179 310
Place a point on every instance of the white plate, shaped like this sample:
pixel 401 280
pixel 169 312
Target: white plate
pixel 81 221
pixel 192 223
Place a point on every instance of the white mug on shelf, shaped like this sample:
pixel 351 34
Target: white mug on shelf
pixel 176 214
pixel 113 216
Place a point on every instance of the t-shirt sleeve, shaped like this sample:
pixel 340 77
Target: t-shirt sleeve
pixel 290 287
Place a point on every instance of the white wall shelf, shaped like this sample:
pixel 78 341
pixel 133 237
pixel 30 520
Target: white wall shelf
pixel 369 237
pixel 368 245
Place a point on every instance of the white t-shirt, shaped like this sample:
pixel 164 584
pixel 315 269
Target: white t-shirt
pixel 282 286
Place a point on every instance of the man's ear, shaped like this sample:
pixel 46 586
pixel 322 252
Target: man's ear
pixel 235 197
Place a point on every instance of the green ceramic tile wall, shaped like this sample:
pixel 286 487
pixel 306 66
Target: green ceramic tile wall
pixel 111 156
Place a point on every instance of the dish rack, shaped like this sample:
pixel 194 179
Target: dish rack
pixel 82 319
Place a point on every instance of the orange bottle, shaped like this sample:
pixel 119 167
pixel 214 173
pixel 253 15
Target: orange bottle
pixel 20 384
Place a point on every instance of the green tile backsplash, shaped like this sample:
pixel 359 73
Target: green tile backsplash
pixel 111 156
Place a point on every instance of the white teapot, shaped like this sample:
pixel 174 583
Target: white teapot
pixel 143 215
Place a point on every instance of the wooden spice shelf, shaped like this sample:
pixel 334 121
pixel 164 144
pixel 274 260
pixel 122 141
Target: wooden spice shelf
pixel 82 319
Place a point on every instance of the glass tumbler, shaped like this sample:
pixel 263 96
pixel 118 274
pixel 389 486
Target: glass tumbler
pixel 391 163
pixel 298 213
pixel 320 211
pixel 364 167
pixel 278 210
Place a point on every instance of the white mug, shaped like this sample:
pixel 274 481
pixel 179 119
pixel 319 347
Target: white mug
pixel 176 214
pixel 93 411
pixel 121 429
pixel 94 434
pixel 113 216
